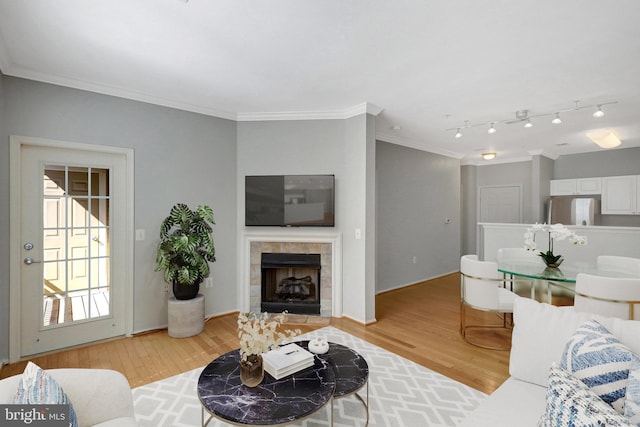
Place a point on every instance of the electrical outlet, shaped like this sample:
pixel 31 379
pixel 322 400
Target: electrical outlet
pixel 208 282
pixel 166 288
pixel 415 259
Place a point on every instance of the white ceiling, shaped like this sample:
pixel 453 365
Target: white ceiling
pixel 428 64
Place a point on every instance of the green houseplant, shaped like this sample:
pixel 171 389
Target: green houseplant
pixel 186 248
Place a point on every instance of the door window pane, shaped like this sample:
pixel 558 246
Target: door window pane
pixel 76 258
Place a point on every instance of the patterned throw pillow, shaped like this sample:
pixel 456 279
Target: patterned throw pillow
pixel 36 387
pixel 632 401
pixel 570 403
pixel 601 361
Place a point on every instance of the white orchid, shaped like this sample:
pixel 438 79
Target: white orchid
pixel 556 232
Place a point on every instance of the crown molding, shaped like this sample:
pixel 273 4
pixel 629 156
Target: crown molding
pixel 497 161
pixel 117 92
pixel 541 152
pixel 417 145
pixel 356 110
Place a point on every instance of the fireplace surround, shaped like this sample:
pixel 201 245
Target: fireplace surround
pixel 327 245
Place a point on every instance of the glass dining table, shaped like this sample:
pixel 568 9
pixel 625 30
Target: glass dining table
pixel 565 274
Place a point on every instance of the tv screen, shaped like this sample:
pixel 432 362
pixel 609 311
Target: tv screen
pixel 290 200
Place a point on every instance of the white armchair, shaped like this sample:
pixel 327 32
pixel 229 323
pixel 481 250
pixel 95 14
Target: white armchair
pixel 100 397
pixel 482 288
pixel 607 296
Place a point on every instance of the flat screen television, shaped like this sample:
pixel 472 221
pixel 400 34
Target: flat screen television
pixel 290 200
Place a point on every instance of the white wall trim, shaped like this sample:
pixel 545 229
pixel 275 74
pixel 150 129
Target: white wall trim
pixel 297 236
pixel 15 244
pixel 356 110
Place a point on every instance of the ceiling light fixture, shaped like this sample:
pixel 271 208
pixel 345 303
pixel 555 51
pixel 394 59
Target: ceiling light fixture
pixel 607 139
pixel 458 134
pixel 599 113
pixel 488 156
pixel 524 116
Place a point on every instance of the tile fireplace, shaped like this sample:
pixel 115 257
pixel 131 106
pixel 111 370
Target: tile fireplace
pixel 302 271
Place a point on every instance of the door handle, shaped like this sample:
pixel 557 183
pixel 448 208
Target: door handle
pixel 29 261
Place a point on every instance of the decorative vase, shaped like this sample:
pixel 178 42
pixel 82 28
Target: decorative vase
pixel 252 370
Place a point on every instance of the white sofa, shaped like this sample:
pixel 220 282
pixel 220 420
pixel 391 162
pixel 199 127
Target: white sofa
pixel 100 397
pixel 539 337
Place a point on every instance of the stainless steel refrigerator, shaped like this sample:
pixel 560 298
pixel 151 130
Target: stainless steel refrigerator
pixel 573 210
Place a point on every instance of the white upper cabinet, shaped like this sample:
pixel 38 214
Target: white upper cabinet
pixel 621 195
pixel 570 187
pixel 589 185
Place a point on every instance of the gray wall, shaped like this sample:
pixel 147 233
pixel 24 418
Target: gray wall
pixel 468 209
pixel 337 147
pixel 623 161
pixel 542 174
pixel 4 229
pixel 179 157
pixel 416 191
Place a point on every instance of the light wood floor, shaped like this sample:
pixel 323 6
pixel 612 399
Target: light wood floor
pixel 419 322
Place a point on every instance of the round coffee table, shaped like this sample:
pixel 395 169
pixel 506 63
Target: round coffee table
pixel 272 402
pixel 338 373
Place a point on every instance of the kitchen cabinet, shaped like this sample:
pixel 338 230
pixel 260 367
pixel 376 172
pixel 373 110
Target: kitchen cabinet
pixel 621 195
pixel 579 186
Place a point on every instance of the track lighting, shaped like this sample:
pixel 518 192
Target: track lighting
pixel 524 117
pixel 488 156
pixel 599 113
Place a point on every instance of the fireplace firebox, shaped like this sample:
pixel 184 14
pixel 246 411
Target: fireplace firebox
pixel 291 282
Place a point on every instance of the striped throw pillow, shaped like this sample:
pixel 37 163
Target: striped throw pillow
pixel 36 387
pixel 595 356
pixel 632 401
pixel 570 403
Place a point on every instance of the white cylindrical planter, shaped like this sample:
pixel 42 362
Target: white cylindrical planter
pixel 186 317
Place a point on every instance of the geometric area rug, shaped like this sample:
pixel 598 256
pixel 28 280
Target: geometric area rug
pixel 401 393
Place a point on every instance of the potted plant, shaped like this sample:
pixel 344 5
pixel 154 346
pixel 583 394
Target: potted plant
pixel 186 248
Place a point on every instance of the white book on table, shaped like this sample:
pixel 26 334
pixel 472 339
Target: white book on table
pixel 286 360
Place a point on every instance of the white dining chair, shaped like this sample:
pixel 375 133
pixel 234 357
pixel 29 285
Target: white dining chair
pixel 482 288
pixel 607 296
pixel 520 255
pixel 619 264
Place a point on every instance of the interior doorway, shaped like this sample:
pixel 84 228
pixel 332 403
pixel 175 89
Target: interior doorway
pixel 501 204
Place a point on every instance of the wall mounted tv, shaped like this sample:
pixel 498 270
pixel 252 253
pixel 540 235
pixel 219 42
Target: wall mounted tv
pixel 290 200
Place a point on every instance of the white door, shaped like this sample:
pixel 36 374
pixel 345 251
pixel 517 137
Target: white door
pixel 501 204
pixel 74 271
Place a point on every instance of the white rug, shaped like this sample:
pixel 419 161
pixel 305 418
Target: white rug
pixel 401 393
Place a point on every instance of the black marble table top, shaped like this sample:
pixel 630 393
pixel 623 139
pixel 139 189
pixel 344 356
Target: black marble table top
pixel 351 369
pixel 339 372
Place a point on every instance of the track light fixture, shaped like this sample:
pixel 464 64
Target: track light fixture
pixel 599 113
pixel 523 116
